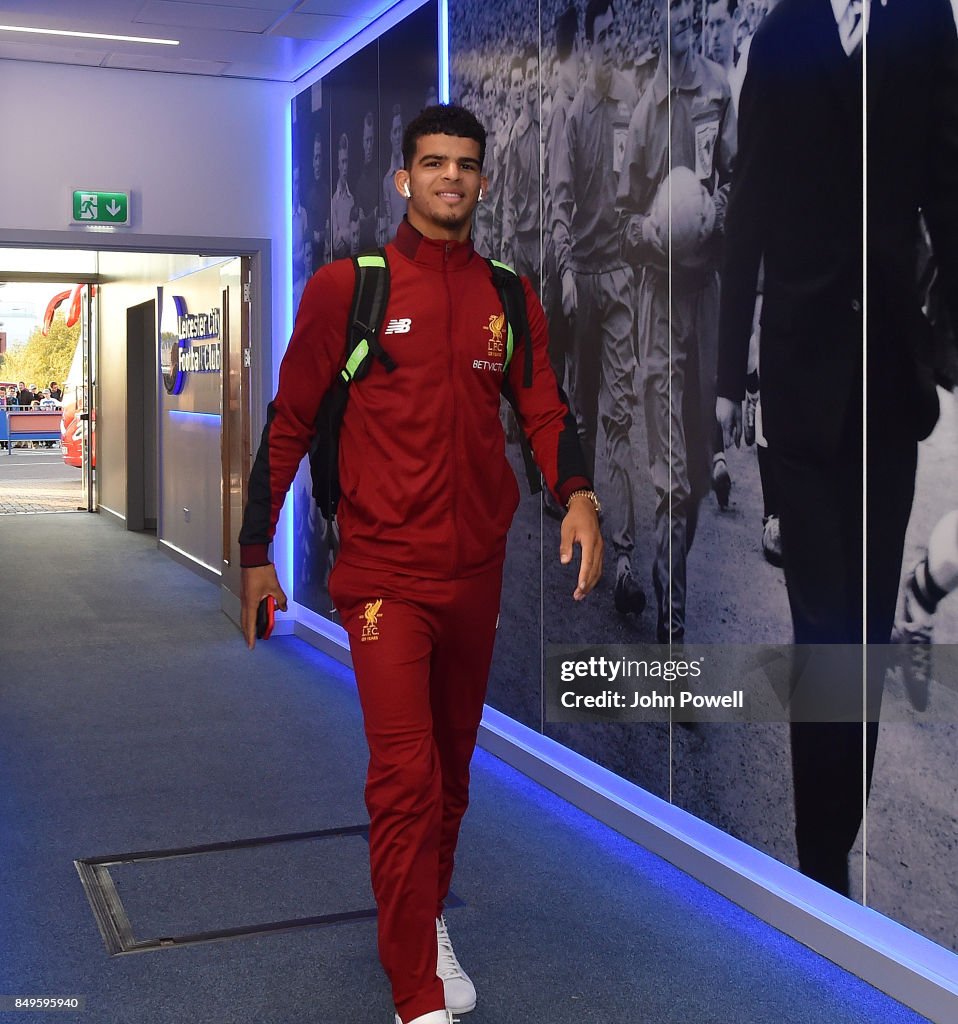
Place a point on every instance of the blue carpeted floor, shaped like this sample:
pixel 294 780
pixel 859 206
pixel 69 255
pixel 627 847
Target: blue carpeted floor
pixel 133 718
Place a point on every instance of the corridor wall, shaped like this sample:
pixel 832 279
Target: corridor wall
pixel 203 158
pixel 554 206
pixel 624 350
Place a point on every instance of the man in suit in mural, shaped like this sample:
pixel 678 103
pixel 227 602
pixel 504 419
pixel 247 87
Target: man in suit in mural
pixel 516 96
pixel 317 204
pixel 301 241
pixel 566 86
pixel 342 202
pixel 427 501
pixel 369 187
pixel 520 178
pixel 393 204
pixel 597 282
pixel 718 33
pixel 797 204
pixel 484 230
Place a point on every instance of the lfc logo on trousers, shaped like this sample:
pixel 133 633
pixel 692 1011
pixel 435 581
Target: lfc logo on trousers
pixel 371 616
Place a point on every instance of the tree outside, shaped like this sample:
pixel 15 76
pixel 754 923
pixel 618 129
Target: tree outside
pixel 42 359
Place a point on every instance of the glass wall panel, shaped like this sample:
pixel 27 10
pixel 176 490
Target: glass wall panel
pixel 717 528
pixel 345 131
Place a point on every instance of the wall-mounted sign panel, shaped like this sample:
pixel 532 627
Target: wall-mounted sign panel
pixel 189 343
pixel 92 207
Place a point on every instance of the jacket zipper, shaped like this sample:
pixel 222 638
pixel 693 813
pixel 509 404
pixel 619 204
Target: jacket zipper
pixel 454 546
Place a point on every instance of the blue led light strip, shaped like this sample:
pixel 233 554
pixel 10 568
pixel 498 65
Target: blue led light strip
pixel 876 948
pixel 443 51
pixel 183 414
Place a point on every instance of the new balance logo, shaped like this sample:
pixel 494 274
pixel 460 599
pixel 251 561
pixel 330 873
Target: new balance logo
pixel 398 326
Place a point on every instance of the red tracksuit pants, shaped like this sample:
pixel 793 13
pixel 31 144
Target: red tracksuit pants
pixel 421 653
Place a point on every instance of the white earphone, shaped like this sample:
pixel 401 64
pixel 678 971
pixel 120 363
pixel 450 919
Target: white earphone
pixel 406 192
pixel 481 195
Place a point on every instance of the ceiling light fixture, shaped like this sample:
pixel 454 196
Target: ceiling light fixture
pixel 89 35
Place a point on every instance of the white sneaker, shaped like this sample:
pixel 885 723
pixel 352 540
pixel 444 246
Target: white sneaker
pixel 459 989
pixel 435 1017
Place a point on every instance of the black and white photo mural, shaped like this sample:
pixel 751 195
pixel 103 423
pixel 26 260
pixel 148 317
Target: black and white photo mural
pixel 682 181
pixel 346 138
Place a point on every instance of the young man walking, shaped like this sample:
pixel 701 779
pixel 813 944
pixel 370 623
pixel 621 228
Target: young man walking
pixel 427 500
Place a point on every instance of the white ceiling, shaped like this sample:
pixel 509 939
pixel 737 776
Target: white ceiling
pixel 277 40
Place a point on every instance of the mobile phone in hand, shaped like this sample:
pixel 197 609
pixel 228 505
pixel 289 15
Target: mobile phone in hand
pixel 265 617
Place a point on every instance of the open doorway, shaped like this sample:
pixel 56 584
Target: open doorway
pixel 141 420
pixel 201 438
pixel 47 347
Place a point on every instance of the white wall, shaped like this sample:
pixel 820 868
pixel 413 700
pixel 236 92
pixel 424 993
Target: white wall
pixel 203 156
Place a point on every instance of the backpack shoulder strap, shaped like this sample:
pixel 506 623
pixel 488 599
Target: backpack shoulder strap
pixel 513 299
pixel 370 296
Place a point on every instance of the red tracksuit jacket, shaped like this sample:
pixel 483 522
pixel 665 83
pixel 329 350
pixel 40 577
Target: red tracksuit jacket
pixel 426 486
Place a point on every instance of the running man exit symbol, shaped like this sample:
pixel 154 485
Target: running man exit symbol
pixel 91 207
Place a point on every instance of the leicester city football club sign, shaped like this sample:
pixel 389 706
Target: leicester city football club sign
pixel 189 343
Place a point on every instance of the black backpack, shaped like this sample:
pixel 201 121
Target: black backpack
pixel 370 297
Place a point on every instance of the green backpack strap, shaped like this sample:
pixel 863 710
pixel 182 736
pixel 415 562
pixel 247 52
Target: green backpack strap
pixel 513 299
pixel 370 296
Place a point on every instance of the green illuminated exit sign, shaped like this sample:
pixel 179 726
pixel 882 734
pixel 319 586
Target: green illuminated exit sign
pixel 91 207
